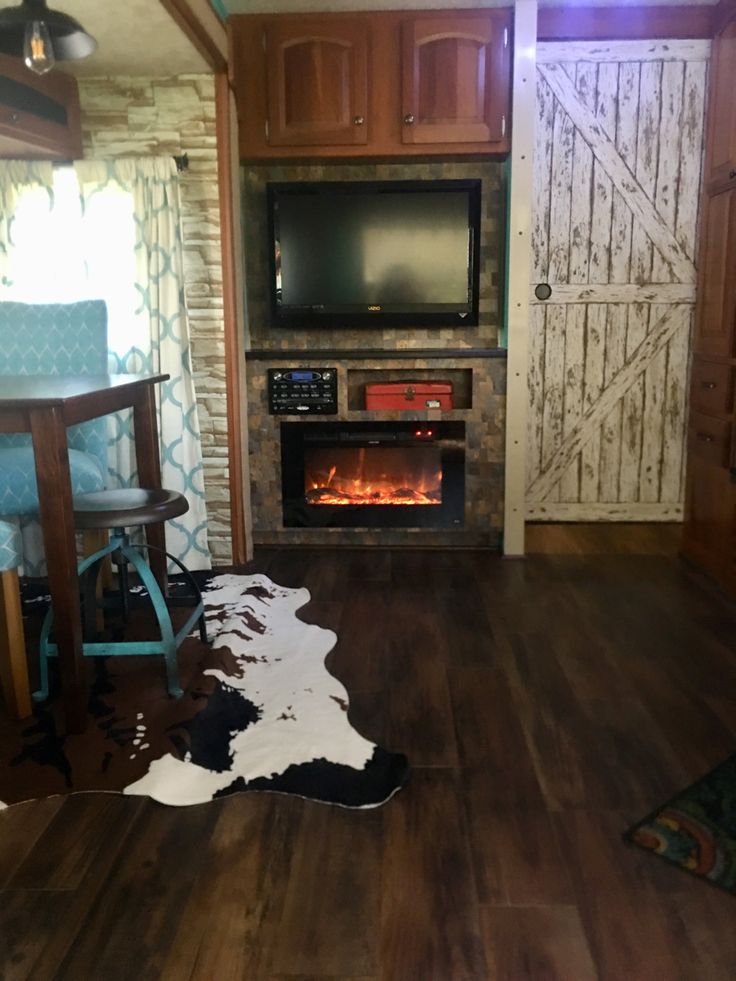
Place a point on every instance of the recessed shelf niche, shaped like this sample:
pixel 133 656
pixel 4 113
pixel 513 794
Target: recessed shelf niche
pixel 461 380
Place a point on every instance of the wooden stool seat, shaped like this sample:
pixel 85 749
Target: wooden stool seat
pixel 117 510
pixel 128 507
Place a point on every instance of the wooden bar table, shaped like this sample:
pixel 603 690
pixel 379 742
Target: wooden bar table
pixel 44 405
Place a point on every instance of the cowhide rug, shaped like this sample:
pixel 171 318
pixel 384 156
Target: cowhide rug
pixel 260 711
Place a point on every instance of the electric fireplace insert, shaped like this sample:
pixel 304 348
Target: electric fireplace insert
pixel 373 474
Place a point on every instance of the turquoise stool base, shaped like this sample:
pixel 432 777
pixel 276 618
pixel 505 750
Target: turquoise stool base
pixel 123 552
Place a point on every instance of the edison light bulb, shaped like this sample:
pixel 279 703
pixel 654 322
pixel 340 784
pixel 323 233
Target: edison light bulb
pixel 38 51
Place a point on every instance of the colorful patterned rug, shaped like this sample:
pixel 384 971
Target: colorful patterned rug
pixel 260 711
pixel 696 830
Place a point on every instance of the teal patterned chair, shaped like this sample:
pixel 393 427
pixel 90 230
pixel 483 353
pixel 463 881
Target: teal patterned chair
pixel 43 339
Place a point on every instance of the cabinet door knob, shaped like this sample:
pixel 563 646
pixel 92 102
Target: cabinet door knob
pixel 732 174
pixel 705 437
pixel 358 120
pixel 14 117
pixel 708 385
pixel 409 118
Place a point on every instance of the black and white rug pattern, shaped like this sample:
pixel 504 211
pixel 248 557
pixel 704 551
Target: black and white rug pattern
pixel 260 712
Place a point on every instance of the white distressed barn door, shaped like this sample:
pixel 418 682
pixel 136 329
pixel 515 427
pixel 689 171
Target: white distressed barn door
pixel 617 178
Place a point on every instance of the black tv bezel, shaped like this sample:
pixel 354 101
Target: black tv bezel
pixel 282 317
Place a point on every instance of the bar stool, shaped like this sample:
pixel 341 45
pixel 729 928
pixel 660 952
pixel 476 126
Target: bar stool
pixel 117 510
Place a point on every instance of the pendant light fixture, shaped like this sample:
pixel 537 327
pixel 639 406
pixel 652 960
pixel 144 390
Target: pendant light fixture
pixel 41 36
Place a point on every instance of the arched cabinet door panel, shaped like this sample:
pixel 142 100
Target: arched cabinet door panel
pixel 455 78
pixel 317 82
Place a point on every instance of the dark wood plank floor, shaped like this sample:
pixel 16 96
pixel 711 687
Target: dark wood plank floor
pixel 545 704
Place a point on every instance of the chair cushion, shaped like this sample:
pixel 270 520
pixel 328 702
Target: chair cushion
pixel 18 488
pixel 56 339
pixel 10 545
pixel 53 338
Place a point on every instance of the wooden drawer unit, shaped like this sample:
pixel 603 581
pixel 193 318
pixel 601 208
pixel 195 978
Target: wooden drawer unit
pixel 711 387
pixel 710 514
pixel 710 439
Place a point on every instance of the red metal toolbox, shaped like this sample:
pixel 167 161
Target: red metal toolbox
pixel 409 395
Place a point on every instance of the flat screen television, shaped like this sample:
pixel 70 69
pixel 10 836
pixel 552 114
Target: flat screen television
pixel 380 253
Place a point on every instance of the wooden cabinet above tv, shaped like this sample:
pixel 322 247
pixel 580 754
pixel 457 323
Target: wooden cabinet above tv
pixel 379 84
pixel 39 116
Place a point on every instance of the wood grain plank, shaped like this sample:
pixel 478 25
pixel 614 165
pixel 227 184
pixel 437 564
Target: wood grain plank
pixel 582 241
pixel 231 923
pixel 557 737
pixel 691 135
pixel 137 934
pixel 620 292
pixel 535 943
pixel 623 924
pixel 662 380
pixel 590 447
pixel 618 51
pixel 491 736
pixel 77 832
pixel 20 832
pixel 516 855
pixel 535 386
pixel 543 142
pixel 422 724
pixel 604 512
pixel 116 828
pixel 573 399
pixel 554 382
pixel 331 851
pixel 428 881
pixel 627 113
pixel 610 451
pixel 603 104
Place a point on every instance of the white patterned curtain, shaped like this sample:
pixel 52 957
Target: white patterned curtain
pixel 19 178
pixel 149 329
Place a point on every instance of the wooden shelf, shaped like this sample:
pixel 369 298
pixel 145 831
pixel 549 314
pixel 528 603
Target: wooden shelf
pixel 352 354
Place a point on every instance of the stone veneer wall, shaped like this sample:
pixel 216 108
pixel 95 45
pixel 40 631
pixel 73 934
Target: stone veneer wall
pixel 123 117
pixel 484 419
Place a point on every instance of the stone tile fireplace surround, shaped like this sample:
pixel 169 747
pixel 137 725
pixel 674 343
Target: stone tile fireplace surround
pixel 469 357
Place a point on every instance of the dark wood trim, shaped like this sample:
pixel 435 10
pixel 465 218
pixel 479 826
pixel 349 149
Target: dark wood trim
pixel 233 324
pixel 723 13
pixel 624 24
pixel 212 48
pixel 357 354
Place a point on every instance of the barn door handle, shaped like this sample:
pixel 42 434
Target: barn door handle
pixel 705 437
pixel 543 291
pixel 709 385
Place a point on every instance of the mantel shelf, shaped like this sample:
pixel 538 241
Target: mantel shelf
pixel 353 354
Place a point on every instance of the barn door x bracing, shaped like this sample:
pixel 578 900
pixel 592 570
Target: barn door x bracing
pixel 617 177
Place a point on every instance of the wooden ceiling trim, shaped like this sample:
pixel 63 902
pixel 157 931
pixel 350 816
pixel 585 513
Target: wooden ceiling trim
pixel 203 27
pixel 624 23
